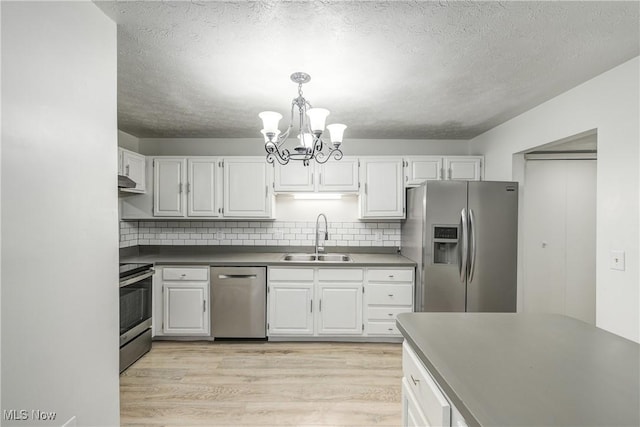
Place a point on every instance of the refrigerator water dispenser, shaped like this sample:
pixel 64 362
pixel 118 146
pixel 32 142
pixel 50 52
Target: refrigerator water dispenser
pixel 445 244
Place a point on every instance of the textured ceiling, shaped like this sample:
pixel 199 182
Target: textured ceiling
pixel 423 70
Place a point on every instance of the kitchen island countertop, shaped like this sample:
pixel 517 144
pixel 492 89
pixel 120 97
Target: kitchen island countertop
pixel 507 369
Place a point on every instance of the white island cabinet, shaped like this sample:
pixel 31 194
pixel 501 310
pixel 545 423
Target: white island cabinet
pixel 423 402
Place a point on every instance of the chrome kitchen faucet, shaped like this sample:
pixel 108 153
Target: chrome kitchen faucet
pixel 326 233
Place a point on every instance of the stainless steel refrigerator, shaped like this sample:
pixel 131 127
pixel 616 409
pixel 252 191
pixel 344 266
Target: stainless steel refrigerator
pixel 463 236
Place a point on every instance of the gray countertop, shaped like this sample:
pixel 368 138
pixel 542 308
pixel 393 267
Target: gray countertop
pixel 507 369
pixel 266 259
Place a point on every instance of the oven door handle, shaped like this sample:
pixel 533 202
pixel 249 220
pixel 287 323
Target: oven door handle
pixel 137 278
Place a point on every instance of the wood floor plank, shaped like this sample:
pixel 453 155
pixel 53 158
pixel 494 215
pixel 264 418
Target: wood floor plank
pixel 263 383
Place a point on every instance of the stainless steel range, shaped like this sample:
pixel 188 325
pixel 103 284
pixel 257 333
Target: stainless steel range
pixel 135 312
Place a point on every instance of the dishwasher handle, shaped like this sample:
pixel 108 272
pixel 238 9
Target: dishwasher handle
pixel 237 276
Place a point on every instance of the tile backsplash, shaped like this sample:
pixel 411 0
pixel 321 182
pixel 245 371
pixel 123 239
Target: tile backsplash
pixel 249 233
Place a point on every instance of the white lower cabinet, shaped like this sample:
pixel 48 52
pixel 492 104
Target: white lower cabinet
pixel 314 302
pixel 324 302
pixel 388 292
pixel 185 301
pixel 423 401
pixel 290 308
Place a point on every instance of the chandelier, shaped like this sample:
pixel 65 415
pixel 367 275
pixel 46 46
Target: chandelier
pixel 311 124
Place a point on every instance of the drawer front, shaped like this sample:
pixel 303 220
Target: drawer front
pixel 340 274
pixel 185 273
pixel 390 275
pixel 390 294
pixel 386 313
pixel 382 328
pixel 428 395
pixel 291 274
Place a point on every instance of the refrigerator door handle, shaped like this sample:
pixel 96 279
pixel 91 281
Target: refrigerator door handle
pixel 463 245
pixel 472 228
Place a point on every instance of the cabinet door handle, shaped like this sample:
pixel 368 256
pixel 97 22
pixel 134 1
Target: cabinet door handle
pixel 320 309
pixel 188 187
pixel 266 191
pixel 449 173
pixel 126 168
pixel 320 180
pixel 204 305
pixel 415 381
pixel 180 188
pixel 311 306
pixel 312 175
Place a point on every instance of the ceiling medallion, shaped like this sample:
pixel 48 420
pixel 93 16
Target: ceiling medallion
pixel 311 124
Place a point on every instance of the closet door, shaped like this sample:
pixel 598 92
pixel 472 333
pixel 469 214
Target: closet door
pixel 559 233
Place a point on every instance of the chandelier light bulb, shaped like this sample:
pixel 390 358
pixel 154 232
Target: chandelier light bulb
pixel 317 118
pixel 270 120
pixel 336 130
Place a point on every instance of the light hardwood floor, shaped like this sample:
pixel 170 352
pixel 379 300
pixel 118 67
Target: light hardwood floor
pixel 263 384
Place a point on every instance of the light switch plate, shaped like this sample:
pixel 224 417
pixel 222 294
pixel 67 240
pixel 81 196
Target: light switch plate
pixel 616 260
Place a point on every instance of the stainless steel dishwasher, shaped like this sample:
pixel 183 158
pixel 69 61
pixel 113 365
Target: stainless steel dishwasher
pixel 238 302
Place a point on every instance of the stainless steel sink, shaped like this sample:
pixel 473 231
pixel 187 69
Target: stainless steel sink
pixel 299 257
pixel 318 258
pixel 334 258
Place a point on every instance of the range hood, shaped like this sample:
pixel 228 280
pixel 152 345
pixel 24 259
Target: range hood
pixel 125 182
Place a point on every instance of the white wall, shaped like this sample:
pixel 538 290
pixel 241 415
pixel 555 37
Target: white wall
pixel 610 104
pixel 255 146
pixel 128 141
pixel 59 220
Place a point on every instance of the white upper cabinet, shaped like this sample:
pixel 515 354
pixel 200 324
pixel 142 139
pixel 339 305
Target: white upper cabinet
pixel 419 169
pixel 132 165
pixel 247 187
pixel 186 187
pixel 382 188
pixel 169 186
pixel 338 176
pixel 294 177
pixel 203 187
pixel 463 168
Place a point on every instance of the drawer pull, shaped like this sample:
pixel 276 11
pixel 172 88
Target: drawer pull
pixel 391 295
pixel 390 314
pixel 415 381
pixel 391 276
pixel 390 329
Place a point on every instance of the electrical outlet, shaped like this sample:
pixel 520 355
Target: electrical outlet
pixel 616 260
